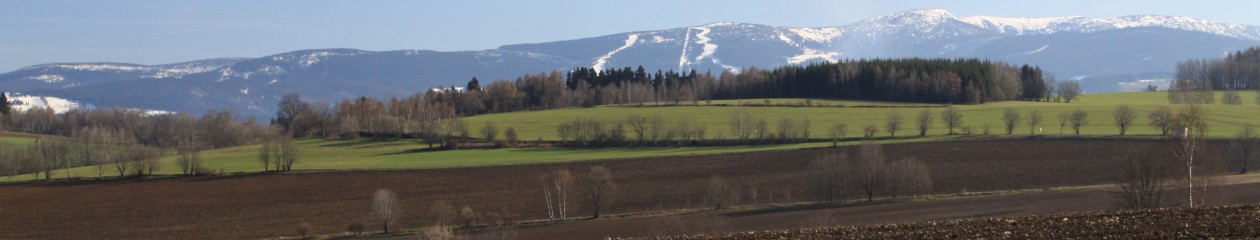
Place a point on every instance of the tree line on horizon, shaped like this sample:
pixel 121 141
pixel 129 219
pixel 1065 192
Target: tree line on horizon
pixel 1197 81
pixel 951 81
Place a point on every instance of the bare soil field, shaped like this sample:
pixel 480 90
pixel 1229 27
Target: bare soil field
pixel 880 220
pixel 1229 222
pixel 272 205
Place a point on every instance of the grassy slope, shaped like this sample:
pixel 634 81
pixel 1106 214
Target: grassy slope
pixel 1224 120
pixel 364 154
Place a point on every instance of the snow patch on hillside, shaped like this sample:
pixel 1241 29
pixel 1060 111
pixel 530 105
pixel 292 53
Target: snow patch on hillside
pixel 23 102
pixel 49 78
pixel 708 48
pixel 682 59
pixel 660 39
pixel 598 65
pixel 810 54
pixel 93 67
pixel 1017 25
pixel 820 35
pixel 1042 48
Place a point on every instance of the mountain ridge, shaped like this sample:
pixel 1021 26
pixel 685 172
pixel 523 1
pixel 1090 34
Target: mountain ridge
pixel 253 85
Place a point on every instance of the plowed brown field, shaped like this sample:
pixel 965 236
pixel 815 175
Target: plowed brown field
pixel 272 205
pixel 1232 222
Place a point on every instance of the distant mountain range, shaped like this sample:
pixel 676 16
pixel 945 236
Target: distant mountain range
pixel 1102 52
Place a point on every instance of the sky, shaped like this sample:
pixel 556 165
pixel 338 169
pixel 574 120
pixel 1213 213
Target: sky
pixel 168 31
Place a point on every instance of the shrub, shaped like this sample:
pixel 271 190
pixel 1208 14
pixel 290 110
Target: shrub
pixel 355 229
pixel 304 230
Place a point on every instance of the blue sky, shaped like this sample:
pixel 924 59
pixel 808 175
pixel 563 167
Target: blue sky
pixel 155 32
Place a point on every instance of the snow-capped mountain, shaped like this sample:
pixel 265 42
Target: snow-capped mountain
pixel 69 75
pixel 1102 51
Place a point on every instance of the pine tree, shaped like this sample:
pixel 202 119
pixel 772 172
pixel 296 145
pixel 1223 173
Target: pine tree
pixel 473 85
pixel 5 108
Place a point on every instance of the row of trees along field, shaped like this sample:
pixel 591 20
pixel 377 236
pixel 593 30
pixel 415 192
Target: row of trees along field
pixel 1197 80
pixel 123 141
pixel 862 174
pixel 959 81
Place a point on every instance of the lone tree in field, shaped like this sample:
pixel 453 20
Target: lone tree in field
pixel 190 162
pixel 1079 119
pixel 1034 120
pixel 599 189
pixel 908 177
pixel 265 154
pixel 1141 179
pixel 1124 116
pixel 1064 118
pixel 559 180
pixel 718 192
pixel 287 154
pixel 869 131
pixel 1193 127
pixel 489 131
pixel 1069 90
pixel 1163 119
pixel 838 132
pixel 385 208
pixel 893 123
pixel 742 124
pixel 871 169
pixel 1010 119
pixel 1243 149
pixel 638 125
pixel 952 118
pixel 511 136
pixel 924 121
pixel 829 176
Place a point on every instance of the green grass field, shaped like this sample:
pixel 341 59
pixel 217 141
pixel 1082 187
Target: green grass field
pixel 325 155
pixel 1224 120
pixel 321 155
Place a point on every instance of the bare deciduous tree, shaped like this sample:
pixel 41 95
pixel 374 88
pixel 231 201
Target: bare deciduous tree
pixel 600 189
pixel 1123 117
pixel 1010 119
pixel 762 129
pixel 893 123
pixel 1141 179
pixel 190 162
pixel 1079 119
pixel 265 154
pixel 511 136
pixel 1190 141
pixel 838 132
pixel 908 177
pixel 656 129
pixel 871 169
pixel 287 154
pixel 1034 120
pixel 1064 118
pixel 924 121
pixel 829 177
pixel 718 192
pixel 869 131
pixel 385 208
pixel 742 124
pixel 489 131
pixel 787 129
pixel 1243 149
pixel 1162 118
pixel 638 125
pixel 560 181
pixel 952 118
pixel 1069 90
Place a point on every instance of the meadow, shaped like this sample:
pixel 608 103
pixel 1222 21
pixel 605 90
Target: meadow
pixel 335 155
pixel 1224 120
